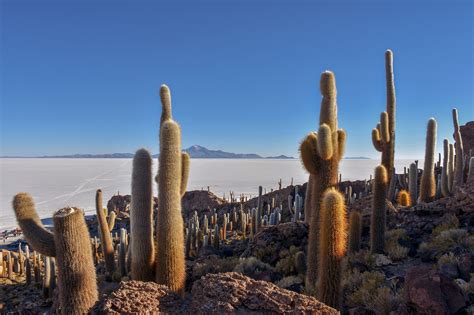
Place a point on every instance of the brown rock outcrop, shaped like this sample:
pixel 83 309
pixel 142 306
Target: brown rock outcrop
pixel 234 293
pixel 431 292
pixel 467 134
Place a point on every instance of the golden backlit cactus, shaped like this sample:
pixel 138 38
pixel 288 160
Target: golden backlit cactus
pixel 320 154
pixel 141 218
pixel 383 136
pixel 332 248
pixel 76 272
pixel 170 264
pixel 165 97
pixel 378 217
pixel 39 238
pixel 403 198
pixel 355 231
pixel 428 181
pixel 105 237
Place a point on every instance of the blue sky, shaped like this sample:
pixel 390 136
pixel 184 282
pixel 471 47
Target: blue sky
pixel 83 76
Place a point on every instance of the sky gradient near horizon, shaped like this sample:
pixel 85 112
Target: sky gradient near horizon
pixel 83 76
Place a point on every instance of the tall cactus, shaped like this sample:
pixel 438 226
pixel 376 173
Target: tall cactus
pixel 444 172
pixel 458 145
pixel 141 218
pixel 320 154
pixel 308 201
pixel 170 264
pixel 378 217
pixel 105 238
pixel 451 167
pixel 332 248
pixel 383 137
pixel 70 245
pixel 428 182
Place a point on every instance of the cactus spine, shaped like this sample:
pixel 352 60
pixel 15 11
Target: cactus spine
pixel 378 218
pixel 459 163
pixel 332 248
pixel 105 238
pixel 141 218
pixel 428 182
pixel 170 264
pixel 355 231
pixel 444 171
pixel 320 154
pixel 383 137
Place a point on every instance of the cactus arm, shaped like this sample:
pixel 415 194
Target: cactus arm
pixel 384 127
pixel 309 152
pixel 185 161
pixel 325 146
pixel 376 140
pixel 328 111
pixel 341 142
pixel 111 221
pixel 165 97
pixel 39 238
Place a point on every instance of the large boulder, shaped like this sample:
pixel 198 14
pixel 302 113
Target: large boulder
pixel 200 200
pixel 431 292
pixel 223 293
pixel 467 134
pixel 234 293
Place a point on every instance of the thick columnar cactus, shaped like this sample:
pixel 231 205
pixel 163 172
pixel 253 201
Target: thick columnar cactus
pixel 77 279
pixel 445 170
pixel 332 248
pixel 459 163
pixel 141 218
pixel 470 172
pixel 428 182
pixel 355 231
pixel 378 217
pixel 39 238
pixel 403 198
pixel 320 154
pixel 170 265
pixel 111 220
pixel 105 237
pixel 383 137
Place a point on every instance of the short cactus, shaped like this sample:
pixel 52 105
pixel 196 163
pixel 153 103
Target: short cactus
pixel 332 248
pixel 355 231
pixel 428 182
pixel 378 218
pixel 403 198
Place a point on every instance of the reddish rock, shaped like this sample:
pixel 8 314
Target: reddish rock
pixel 139 297
pixel 200 200
pixel 431 292
pixel 234 293
pixel 467 134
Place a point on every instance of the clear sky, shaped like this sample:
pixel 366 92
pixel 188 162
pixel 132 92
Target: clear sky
pixel 83 76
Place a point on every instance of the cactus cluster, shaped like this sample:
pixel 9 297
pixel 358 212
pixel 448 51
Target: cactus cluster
pixel 320 153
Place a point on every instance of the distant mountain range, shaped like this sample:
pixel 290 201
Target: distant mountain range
pixel 195 151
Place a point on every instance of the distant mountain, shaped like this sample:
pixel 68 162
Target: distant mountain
pixel 195 151
pixel 357 158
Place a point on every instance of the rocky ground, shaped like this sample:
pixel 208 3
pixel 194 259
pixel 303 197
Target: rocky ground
pixel 427 268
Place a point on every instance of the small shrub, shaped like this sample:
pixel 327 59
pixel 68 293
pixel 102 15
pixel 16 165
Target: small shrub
pixel 363 257
pixel 214 265
pixel 449 221
pixel 393 248
pixel 252 267
pixel 287 282
pixel 457 241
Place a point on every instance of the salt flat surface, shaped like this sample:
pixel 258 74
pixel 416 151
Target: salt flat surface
pixel 56 183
